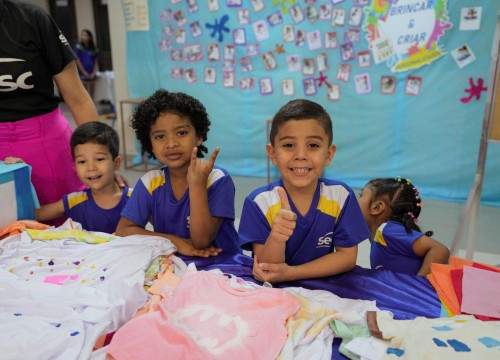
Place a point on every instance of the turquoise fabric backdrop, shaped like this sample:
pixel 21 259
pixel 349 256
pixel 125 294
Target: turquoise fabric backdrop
pixel 432 139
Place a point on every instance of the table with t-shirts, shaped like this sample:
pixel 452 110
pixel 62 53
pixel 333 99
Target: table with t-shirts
pixel 78 287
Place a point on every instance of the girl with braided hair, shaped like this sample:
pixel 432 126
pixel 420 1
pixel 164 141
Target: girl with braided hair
pixel 391 207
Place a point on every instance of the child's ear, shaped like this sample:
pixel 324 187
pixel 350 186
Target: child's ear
pixel 271 153
pixel 117 161
pixel 331 153
pixel 199 141
pixel 377 207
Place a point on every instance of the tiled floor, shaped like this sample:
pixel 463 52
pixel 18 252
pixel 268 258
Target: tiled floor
pixel 440 216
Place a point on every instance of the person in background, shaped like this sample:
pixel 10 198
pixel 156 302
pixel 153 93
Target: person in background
pixel 87 54
pixel 391 207
pixel 95 150
pixel 301 226
pixel 34 54
pixel 189 201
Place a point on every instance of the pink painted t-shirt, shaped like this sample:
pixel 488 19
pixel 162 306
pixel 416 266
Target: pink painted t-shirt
pixel 208 319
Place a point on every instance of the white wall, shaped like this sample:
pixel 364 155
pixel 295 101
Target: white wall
pixel 84 16
pixel 118 37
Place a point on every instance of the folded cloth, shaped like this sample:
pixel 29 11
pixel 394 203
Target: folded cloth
pixel 19 226
pixel 447 281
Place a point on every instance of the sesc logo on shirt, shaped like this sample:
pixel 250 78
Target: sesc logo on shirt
pixel 63 39
pixel 9 83
pixel 326 240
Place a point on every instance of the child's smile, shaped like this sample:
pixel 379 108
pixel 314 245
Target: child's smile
pixel 94 165
pixel 301 151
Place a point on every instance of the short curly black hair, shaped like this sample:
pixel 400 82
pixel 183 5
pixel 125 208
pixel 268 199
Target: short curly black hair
pixel 163 101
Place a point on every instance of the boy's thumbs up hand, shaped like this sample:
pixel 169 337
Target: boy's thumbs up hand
pixel 285 204
pixel 284 222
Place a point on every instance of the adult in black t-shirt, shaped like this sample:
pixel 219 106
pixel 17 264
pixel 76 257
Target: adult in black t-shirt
pixel 33 54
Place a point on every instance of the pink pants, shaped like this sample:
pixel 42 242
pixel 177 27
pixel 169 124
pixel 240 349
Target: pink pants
pixel 43 142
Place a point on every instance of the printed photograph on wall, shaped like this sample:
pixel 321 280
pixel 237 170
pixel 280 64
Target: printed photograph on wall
pixel 266 86
pixel 470 18
pixel 300 38
pixel 192 52
pixel 351 35
pixel 325 11
pixel 413 85
pixel 364 59
pixel 257 5
pixel 269 60
pixel 275 18
pixel 229 52
pixel 338 17
pixel 287 87
pixel 293 62
pixel 210 75
pixel 228 79
pixel 192 6
pixel 239 36
pixel 261 31
pixel 463 55
pixel 253 49
pixel 195 29
pixel 355 16
pixel 190 75
pixel 288 33
pixel 347 52
pixel 246 64
pixel 343 72
pixel 233 3
pixel 333 92
pixel 180 36
pixel 309 86
pixel 387 85
pixel 213 51
pixel 308 67
pixel 244 16
pixel 313 40
pixel 177 72
pixel 246 84
pixel 362 83
pixel 296 13
pixel 322 61
pixel 331 40
pixel 213 5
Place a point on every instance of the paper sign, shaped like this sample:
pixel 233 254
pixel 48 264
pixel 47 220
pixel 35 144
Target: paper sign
pixel 136 15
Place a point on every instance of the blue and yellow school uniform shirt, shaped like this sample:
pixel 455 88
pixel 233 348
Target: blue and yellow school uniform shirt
pixel 153 200
pixel 392 249
pixel 81 207
pixel 334 219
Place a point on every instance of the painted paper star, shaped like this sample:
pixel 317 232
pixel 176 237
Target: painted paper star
pixel 279 49
pixel 413 49
pixel 474 90
pixel 322 79
pixel 218 28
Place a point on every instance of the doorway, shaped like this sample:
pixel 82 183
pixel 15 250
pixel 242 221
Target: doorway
pixel 102 34
pixel 63 13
